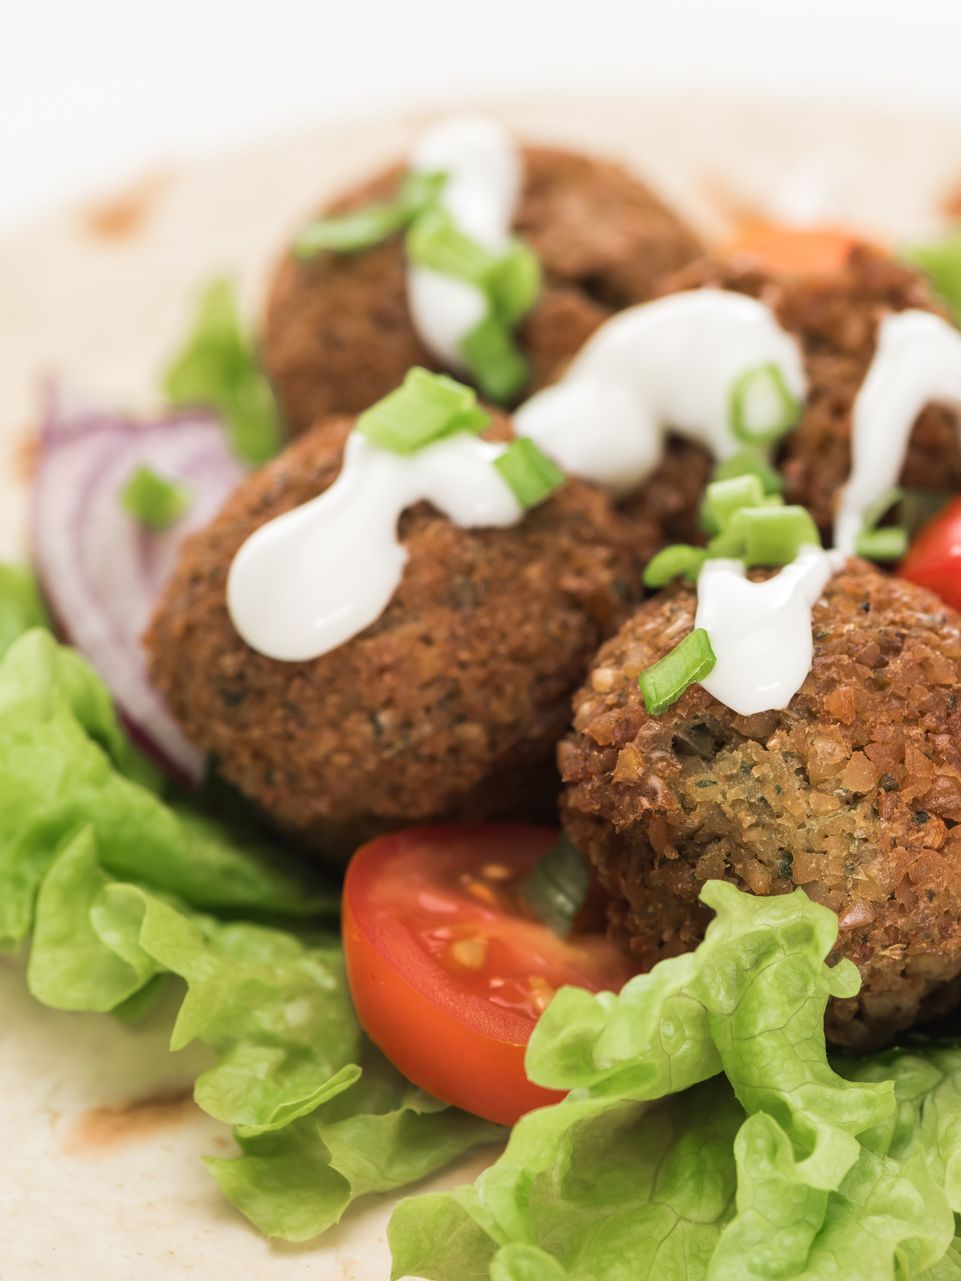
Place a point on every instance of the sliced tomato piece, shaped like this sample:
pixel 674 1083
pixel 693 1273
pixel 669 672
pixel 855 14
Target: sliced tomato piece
pixel 934 558
pixel 448 970
pixel 791 250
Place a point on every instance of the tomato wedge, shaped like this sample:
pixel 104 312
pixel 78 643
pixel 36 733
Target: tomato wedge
pixel 934 558
pixel 449 972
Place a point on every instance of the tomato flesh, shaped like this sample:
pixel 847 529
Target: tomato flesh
pixel 934 558
pixel 449 972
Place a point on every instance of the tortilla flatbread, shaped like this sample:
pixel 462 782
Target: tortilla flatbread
pixel 99 1159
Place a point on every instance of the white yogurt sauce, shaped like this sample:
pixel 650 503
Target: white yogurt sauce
pixel 660 366
pixel 918 360
pixel 483 171
pixel 761 632
pixel 311 579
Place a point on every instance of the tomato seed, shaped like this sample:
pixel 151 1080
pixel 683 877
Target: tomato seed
pixel 470 953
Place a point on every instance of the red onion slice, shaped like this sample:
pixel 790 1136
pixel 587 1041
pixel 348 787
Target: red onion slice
pixel 101 571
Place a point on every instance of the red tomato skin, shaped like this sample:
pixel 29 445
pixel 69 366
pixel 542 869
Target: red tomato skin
pixel 455 1045
pixel 432 1049
pixel 934 558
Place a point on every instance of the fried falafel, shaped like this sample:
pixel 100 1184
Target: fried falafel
pixel 835 318
pixel 337 334
pixel 450 705
pixel 852 792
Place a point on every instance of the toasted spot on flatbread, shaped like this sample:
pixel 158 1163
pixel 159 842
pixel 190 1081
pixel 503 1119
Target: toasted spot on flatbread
pixel 99 1128
pixel 123 214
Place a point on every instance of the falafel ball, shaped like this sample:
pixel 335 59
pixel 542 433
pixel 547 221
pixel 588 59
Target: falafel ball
pixel 337 334
pixel 835 318
pixel 852 792
pixel 449 706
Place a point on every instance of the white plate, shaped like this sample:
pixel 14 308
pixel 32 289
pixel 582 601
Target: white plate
pixel 99 1141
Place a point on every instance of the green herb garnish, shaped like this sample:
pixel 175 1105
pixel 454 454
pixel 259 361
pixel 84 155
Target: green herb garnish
pixel 678 560
pixel 750 463
pixel 762 407
pixel 371 225
pixel 532 476
pixel 154 500
pixel 424 409
pixel 218 369
pixel 665 681
pixel 889 543
pixel 766 535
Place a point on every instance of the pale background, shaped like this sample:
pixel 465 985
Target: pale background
pixel 94 90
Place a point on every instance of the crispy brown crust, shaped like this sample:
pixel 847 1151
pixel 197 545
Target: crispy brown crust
pixel 836 318
pixel 336 333
pixel 448 706
pixel 853 792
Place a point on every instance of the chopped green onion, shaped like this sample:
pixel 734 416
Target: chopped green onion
pixel 887 544
pixel 779 408
pixel 494 359
pixel 515 282
pixel 749 463
pixel 424 409
pixel 436 242
pixel 351 232
pixel 666 680
pixel 419 191
pixel 723 498
pixel 153 500
pixel 766 535
pixel 878 510
pixel 673 562
pixel 940 260
pixel 556 889
pixel 529 472
pixel 510 280
pixel 363 228
pixel 218 368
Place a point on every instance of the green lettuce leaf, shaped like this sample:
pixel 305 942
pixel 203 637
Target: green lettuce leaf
pixel 656 1166
pixel 65 764
pixel 377 1134
pixel 940 260
pixel 107 877
pixel 20 605
pixel 218 368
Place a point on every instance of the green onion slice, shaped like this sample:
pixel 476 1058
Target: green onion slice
pixel 878 510
pixel 514 282
pixel 436 242
pixel 762 408
pixel 887 544
pixel 363 228
pixel 556 889
pixel 494 359
pixel 766 535
pixel 723 498
pixel 532 476
pixel 154 500
pixel 665 681
pixel 425 408
pixel 673 562
pixel 749 463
